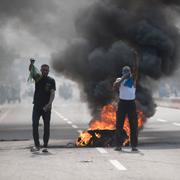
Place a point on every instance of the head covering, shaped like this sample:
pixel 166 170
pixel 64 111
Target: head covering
pixel 126 69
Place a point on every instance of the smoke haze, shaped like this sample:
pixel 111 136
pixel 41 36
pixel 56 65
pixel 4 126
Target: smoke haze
pixel 100 36
pixel 34 28
pixel 108 33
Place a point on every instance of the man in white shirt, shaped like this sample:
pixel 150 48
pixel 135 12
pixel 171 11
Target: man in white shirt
pixel 126 106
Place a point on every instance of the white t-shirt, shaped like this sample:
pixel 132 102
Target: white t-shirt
pixel 127 90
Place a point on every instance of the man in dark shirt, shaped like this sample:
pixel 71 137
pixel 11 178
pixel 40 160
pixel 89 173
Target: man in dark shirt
pixel 44 94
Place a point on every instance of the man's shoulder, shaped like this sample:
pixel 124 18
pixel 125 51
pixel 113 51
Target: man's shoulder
pixel 50 79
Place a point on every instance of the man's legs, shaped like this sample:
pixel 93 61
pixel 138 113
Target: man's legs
pixel 46 118
pixel 120 118
pixel 35 124
pixel 133 121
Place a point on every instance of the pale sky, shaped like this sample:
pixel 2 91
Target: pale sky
pixel 35 28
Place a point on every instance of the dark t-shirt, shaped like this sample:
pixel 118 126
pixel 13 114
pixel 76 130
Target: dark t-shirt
pixel 43 90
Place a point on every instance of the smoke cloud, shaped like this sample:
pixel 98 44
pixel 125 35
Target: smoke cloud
pixel 108 33
pixel 35 27
pixel 7 55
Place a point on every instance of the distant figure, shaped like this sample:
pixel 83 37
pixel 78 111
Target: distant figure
pixel 43 97
pixel 126 106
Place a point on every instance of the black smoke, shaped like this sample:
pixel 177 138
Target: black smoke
pixel 109 31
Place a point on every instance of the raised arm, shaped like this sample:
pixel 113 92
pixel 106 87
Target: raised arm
pixel 118 82
pixel 34 72
pixel 31 64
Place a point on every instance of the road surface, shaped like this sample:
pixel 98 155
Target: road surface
pixel 158 159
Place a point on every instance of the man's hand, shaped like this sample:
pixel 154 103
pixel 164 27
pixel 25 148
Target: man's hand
pixel 116 84
pixel 32 61
pixel 47 107
pixel 126 76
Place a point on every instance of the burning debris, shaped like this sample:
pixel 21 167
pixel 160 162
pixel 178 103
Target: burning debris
pixel 101 131
pixel 109 33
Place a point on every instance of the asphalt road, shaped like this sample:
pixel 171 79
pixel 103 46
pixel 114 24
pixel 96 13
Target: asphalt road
pixel 159 144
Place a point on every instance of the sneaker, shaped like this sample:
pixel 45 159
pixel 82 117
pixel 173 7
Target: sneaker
pixel 35 148
pixel 44 150
pixel 118 148
pixel 135 149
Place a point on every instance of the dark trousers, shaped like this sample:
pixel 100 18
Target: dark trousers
pixel 37 113
pixel 127 107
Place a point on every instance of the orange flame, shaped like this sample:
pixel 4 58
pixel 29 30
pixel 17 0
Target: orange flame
pixel 107 121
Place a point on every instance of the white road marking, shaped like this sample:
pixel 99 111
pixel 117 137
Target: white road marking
pixel 102 150
pixel 118 165
pixel 176 124
pixel 58 114
pixel 65 119
pixel 161 120
pixel 69 122
pixel 74 126
pixel 4 115
pixel 62 117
